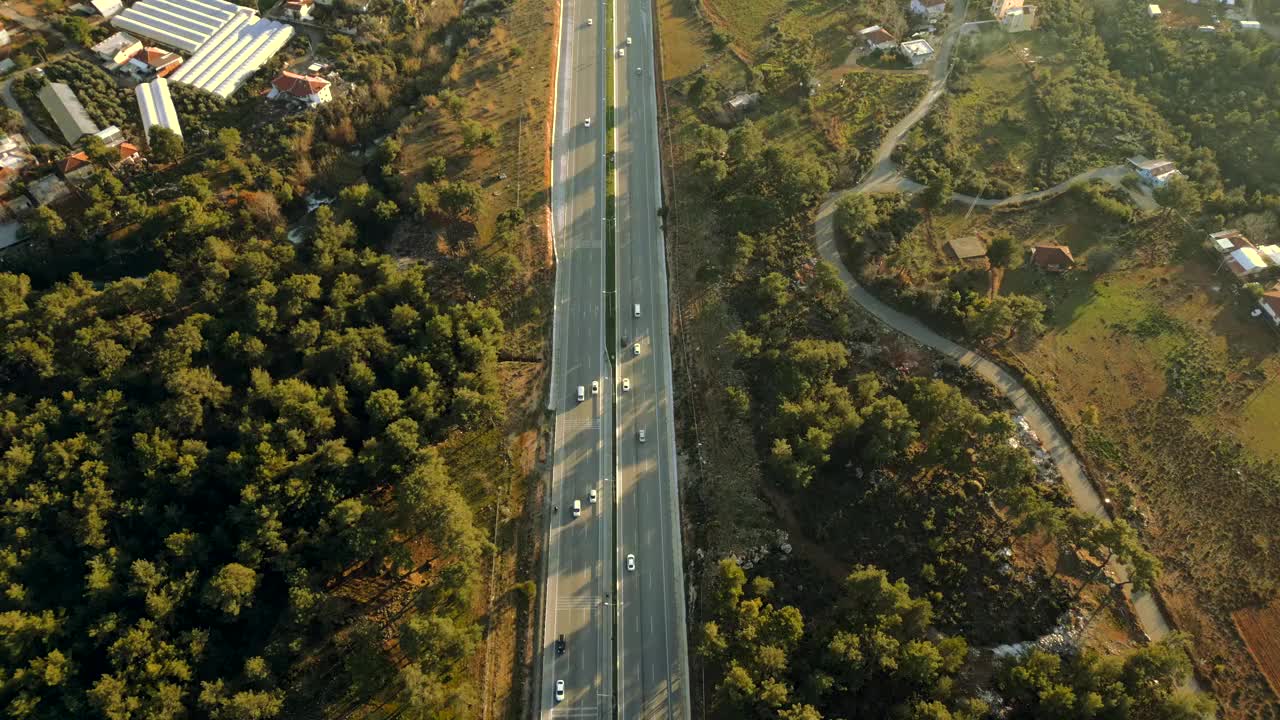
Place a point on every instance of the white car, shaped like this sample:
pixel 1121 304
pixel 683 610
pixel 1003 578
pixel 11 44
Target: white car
pixel 582 393
pixel 641 435
pixel 635 350
pixel 559 690
pixel 577 508
pixel 589 22
pixel 631 562
pixel 595 387
pixel 591 496
pixel 626 384
pixel 637 71
pixel 628 40
pixel 622 52
pixel 587 123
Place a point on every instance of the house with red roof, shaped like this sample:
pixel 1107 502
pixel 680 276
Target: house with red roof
pixel 310 89
pixel 156 61
pixel 75 166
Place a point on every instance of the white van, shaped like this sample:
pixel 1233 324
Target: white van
pixel 582 393
pixel 636 311
pixel 577 508
pixel 641 434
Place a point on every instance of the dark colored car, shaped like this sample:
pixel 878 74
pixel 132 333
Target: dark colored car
pixel 560 645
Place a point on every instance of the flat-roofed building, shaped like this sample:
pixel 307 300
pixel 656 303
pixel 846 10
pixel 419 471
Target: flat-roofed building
pixel 156 107
pixel 68 114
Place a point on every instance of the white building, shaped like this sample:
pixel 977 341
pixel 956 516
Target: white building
pixel 299 9
pixel 930 9
pixel 179 24
pixel 1250 25
pixel 107 8
pixel 232 54
pixel 118 48
pixel 917 52
pixel 4 35
pixel 156 107
pixel 68 114
pixel 308 88
pixel 1154 11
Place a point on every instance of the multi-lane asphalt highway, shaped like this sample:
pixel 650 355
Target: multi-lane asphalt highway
pixel 653 669
pixel 579 554
pixel 624 630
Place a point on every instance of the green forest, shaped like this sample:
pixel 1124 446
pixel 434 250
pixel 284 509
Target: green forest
pixel 910 482
pixel 192 455
pixel 228 477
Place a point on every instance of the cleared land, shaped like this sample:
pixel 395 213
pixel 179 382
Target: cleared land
pixel 1260 629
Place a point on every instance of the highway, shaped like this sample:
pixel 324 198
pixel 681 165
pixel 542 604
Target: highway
pixel 579 558
pixel 653 676
pixel 626 650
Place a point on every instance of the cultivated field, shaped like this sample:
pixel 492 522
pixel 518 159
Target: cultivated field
pixel 1260 628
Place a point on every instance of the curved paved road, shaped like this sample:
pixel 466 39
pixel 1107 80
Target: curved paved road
pixel 884 175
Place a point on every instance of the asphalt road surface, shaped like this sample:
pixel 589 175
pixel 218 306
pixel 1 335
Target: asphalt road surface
pixel 579 555
pixel 653 668
pixel 588 589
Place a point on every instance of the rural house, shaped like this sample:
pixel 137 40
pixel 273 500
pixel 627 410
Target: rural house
pixel 299 9
pixel 916 52
pixel 154 61
pixel 75 166
pixel 1013 15
pixel 1270 304
pixel 742 102
pixel 310 89
pixel 47 189
pixel 1052 258
pixel 1224 241
pixel 969 249
pixel 1153 11
pixel 930 9
pixel 877 38
pixel 1245 262
pixel 118 48
pixel 1155 173
pixel 4 35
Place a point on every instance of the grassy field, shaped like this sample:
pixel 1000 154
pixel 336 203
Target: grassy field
pixel 748 24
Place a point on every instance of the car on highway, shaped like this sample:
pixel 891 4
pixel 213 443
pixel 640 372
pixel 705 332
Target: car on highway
pixel 591 496
pixel 626 384
pixel 635 350
pixel 595 387
pixel 559 690
pixel 641 434
pixel 582 393
pixel 577 508
pixel 560 645
pixel 631 562
pixel 636 310
pixel 622 52
pixel 587 123
pixel 590 22
pixel 628 39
